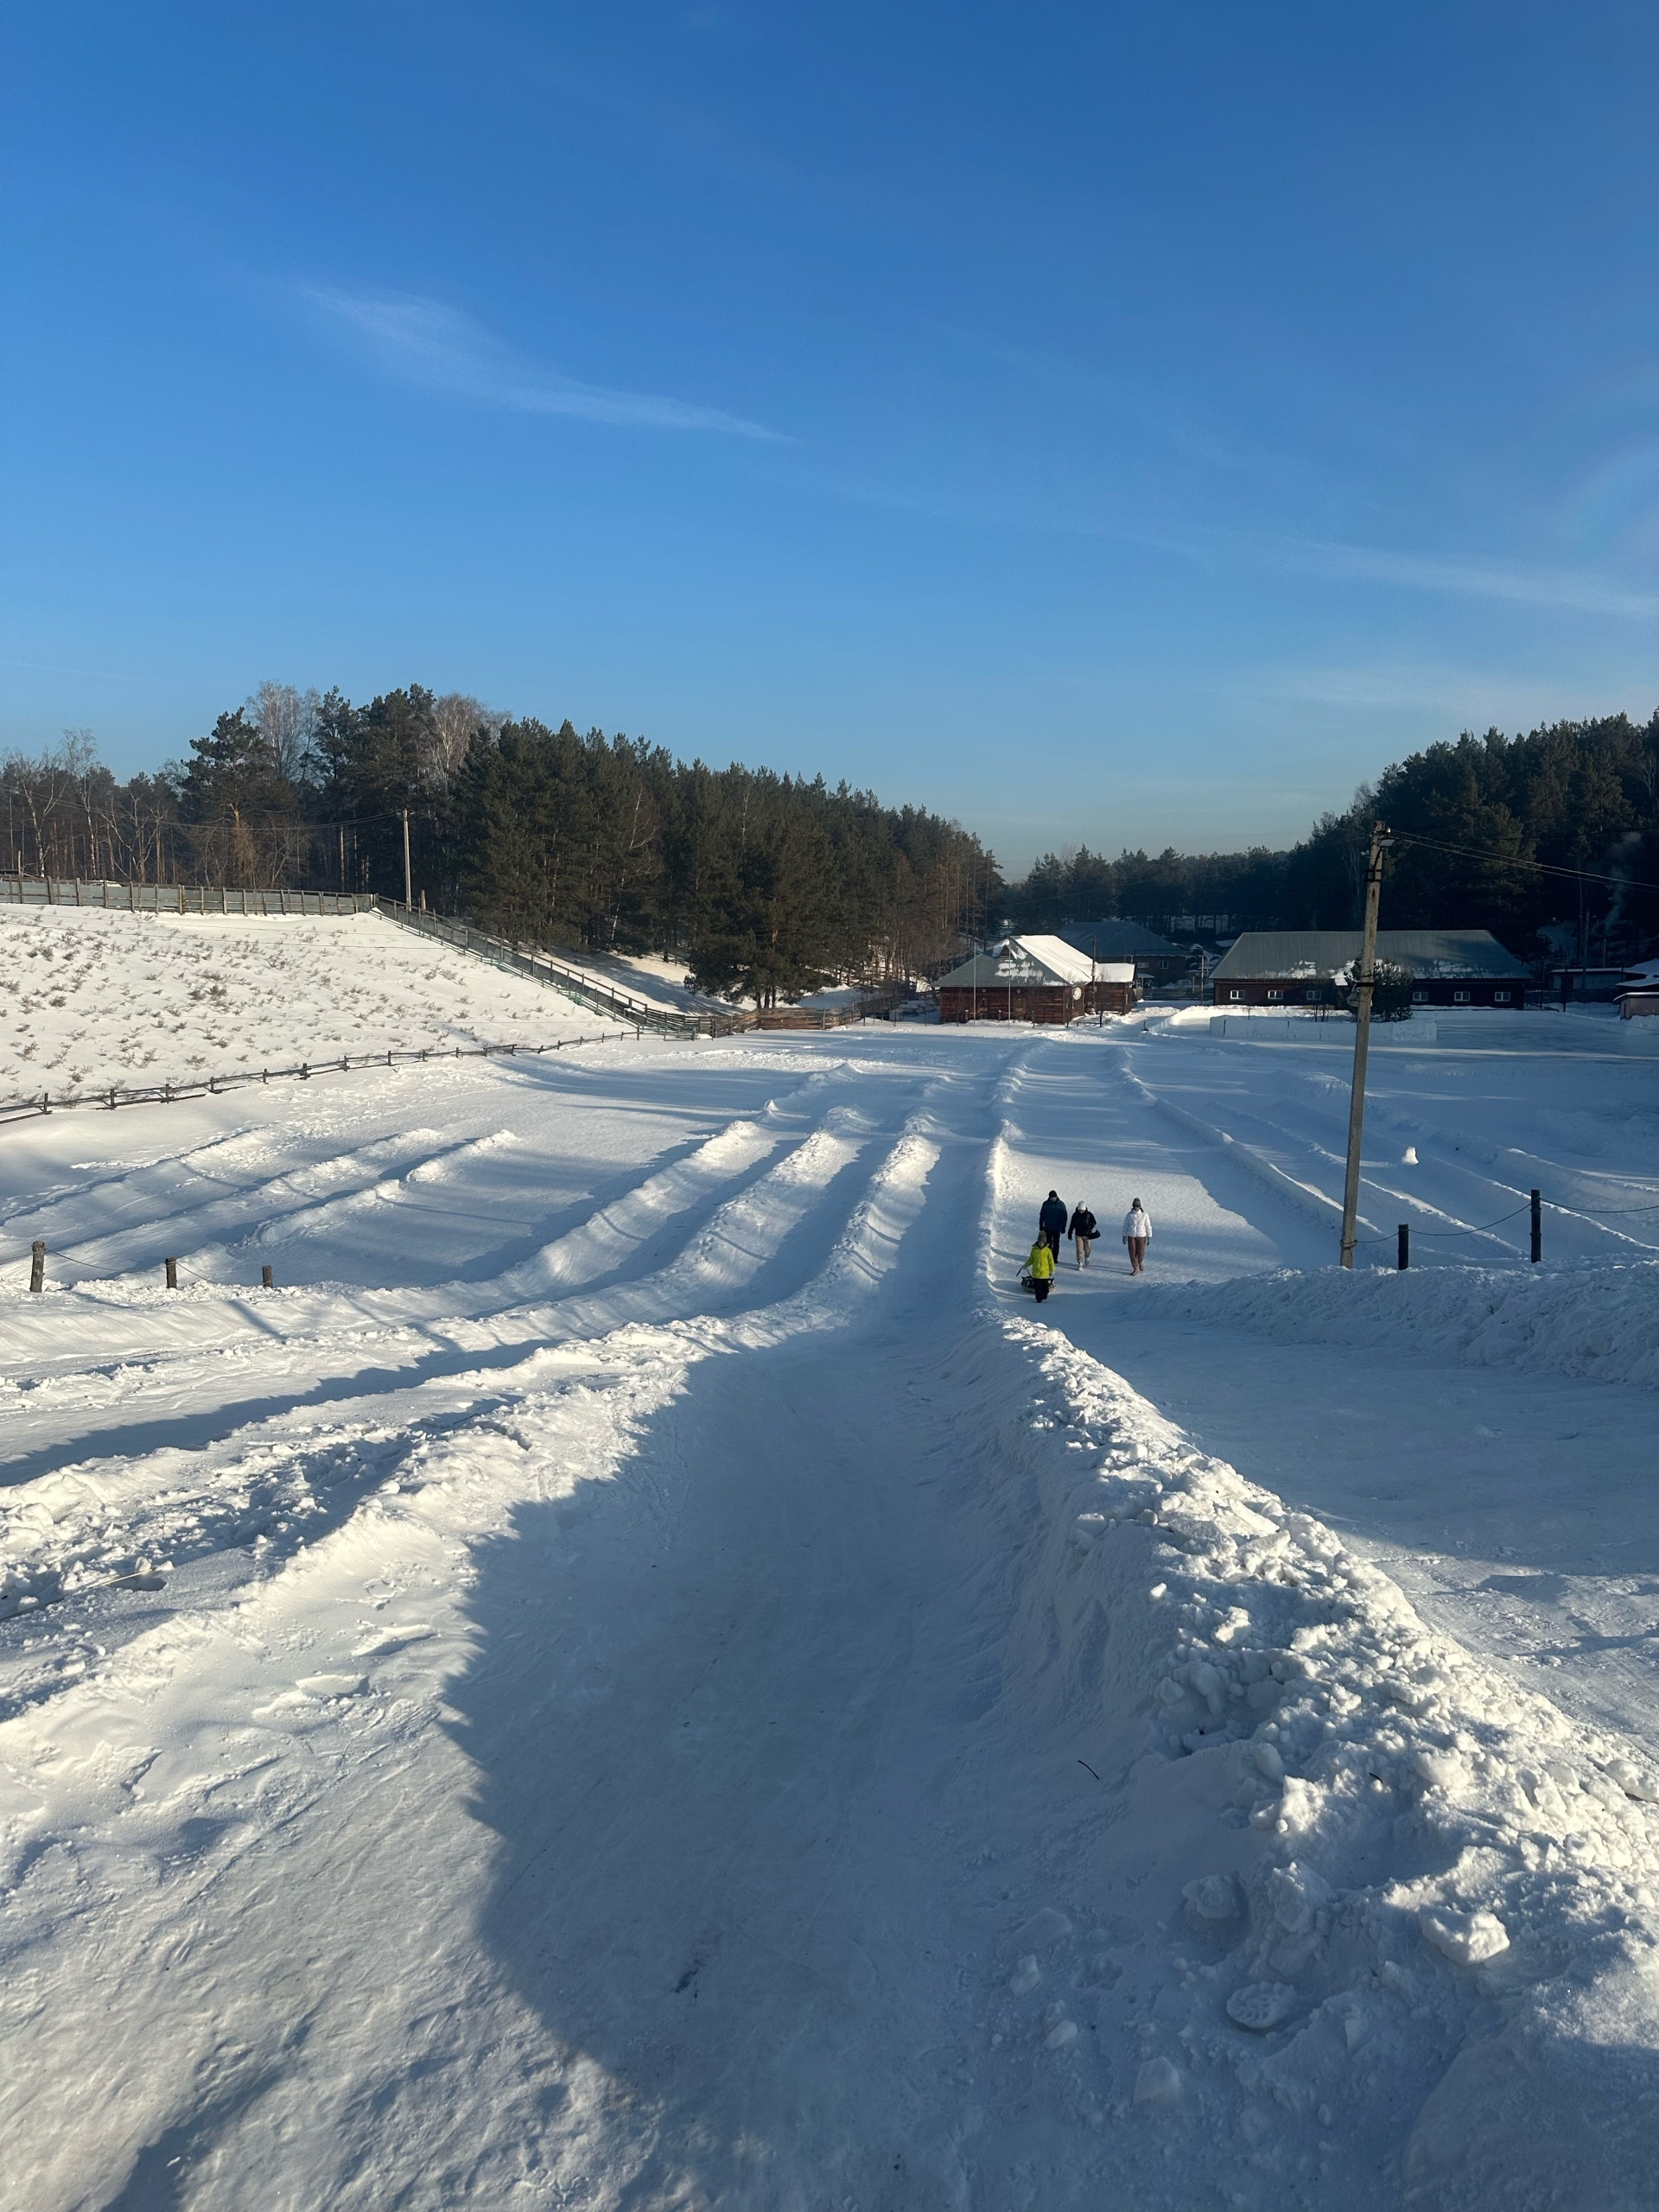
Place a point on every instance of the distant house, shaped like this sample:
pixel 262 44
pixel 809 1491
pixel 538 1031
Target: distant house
pixel 1156 960
pixel 1035 979
pixel 1597 985
pixel 1290 968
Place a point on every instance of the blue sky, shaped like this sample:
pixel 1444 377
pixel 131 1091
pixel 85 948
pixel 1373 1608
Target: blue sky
pixel 1105 424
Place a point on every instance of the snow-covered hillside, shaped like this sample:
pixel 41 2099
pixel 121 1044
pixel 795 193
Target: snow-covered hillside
pixel 92 998
pixel 643 1673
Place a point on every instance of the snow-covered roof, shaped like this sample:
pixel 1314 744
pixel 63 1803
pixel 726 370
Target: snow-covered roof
pixel 1303 954
pixel 1062 959
pixel 1033 960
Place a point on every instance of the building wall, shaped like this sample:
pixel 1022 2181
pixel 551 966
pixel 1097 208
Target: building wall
pixel 1054 1003
pixel 1289 992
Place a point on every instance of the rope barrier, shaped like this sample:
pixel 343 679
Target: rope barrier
pixel 1473 1229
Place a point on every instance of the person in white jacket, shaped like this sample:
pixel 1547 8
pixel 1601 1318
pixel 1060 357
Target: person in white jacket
pixel 1137 1235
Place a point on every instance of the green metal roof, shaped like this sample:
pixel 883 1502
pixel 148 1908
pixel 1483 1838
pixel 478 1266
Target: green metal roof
pixel 1297 955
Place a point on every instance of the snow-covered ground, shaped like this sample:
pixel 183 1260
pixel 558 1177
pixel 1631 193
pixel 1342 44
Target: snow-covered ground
pixel 94 999
pixel 643 1674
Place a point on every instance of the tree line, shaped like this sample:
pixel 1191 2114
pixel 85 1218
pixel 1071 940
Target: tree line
pixel 767 884
pixel 764 885
pixel 1471 817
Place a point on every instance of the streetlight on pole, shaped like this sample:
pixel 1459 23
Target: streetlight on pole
pixel 1364 985
pixel 409 881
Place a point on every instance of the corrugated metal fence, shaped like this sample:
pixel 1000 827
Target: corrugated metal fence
pixel 177 897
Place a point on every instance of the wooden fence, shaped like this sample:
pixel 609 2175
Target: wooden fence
pixel 209 1086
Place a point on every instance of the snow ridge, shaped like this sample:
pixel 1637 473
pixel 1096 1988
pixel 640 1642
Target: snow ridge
pixel 1380 1852
pixel 1599 1320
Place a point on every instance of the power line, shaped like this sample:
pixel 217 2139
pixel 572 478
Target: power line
pixel 1516 859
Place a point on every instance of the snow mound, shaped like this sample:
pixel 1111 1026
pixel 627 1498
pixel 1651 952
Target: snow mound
pixel 95 998
pixel 1353 1870
pixel 1601 1321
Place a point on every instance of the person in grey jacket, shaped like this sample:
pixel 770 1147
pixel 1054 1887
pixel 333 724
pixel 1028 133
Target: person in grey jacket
pixel 1137 1235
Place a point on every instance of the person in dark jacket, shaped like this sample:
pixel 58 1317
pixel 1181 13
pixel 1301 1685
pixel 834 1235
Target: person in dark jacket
pixel 1051 1222
pixel 1083 1232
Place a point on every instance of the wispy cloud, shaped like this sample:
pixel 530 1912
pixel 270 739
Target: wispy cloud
pixel 424 342
pixel 1570 590
pixel 1470 697
pixel 1574 590
pixel 1164 413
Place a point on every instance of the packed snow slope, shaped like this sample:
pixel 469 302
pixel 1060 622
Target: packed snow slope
pixel 643 1674
pixel 91 999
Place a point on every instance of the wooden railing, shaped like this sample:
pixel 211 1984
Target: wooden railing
pixel 109 1096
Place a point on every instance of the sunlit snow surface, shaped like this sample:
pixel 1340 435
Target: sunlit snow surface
pixel 642 1673
pixel 91 1000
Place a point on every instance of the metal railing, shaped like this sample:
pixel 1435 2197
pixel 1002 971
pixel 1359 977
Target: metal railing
pixel 575 982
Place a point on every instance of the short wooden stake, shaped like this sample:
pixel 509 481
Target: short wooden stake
pixel 265 1283
pixel 1404 1246
pixel 172 1266
pixel 37 1264
pixel 1537 1228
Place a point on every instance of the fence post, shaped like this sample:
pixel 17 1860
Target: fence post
pixel 265 1283
pixel 37 1264
pixel 172 1266
pixel 1537 1227
pixel 1404 1246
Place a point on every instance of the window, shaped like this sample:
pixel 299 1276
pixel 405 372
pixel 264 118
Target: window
pixel 1313 997
pixel 1276 994
pixel 1419 998
pixel 1460 998
pixel 1500 998
pixel 1234 994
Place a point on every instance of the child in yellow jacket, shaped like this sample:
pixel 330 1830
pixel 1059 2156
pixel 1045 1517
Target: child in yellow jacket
pixel 1040 1269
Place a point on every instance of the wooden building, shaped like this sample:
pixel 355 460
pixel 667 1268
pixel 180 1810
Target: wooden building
pixel 1035 979
pixel 1156 961
pixel 1293 968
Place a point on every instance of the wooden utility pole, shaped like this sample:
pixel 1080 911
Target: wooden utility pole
pixel 409 894
pixel 1364 985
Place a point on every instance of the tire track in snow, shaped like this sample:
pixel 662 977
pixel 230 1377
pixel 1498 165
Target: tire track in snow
pixel 91 1521
pixel 366 1327
pixel 333 1700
